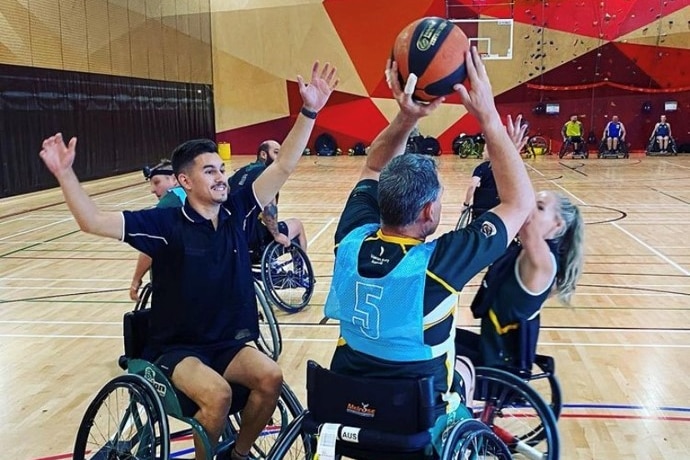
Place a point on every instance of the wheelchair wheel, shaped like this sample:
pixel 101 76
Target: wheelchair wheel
pixel 288 277
pixel 126 419
pixel 516 414
pixel 465 218
pixel 563 150
pixel 287 410
pixel 466 147
pixel 270 341
pixel 545 382
pixel 473 439
pixel 294 443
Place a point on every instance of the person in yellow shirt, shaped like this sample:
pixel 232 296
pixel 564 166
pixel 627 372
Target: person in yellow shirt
pixel 572 132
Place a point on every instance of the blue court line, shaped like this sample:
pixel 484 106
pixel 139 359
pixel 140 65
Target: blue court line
pixel 627 407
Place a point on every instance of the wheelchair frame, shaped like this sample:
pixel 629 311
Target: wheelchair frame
pixel 621 151
pixel 583 153
pixel 468 145
pixel 650 151
pixel 339 414
pixel 286 275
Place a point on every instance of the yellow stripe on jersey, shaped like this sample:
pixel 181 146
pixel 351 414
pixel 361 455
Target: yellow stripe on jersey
pixel 442 282
pixel 501 329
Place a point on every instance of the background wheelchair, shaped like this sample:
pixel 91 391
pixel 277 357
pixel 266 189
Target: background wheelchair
pixel 129 417
pixel 376 418
pixel 286 275
pixel 654 149
pixel 621 150
pixel 466 145
pixel 568 148
pixel 528 410
pixel 536 145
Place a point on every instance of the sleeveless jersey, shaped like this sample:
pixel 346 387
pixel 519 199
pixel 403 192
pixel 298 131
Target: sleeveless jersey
pixel 382 317
pixel 662 129
pixel 613 129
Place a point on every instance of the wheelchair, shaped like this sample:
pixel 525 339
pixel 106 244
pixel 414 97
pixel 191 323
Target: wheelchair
pixel 466 145
pixel 129 417
pixel 568 148
pixel 376 418
pixel 529 410
pixel 286 276
pixel 620 151
pixel 536 145
pixel 653 148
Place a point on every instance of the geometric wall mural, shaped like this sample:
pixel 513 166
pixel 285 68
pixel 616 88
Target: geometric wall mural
pixel 594 58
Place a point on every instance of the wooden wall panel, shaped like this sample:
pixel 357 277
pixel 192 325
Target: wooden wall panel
pixel 120 46
pixel 154 37
pixel 184 40
pixel 46 49
pixel 169 39
pixel 73 35
pixel 139 54
pixel 98 37
pixel 14 34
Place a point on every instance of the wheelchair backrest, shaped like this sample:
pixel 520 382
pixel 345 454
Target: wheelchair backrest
pixel 403 406
pixel 135 325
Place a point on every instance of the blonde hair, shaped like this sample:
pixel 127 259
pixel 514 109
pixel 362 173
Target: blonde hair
pixel 570 242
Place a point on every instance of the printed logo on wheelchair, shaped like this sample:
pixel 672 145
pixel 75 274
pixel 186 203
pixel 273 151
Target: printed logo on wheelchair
pixel 362 410
pixel 150 375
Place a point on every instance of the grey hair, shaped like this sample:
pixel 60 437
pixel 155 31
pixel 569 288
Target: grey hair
pixel 570 248
pixel 406 184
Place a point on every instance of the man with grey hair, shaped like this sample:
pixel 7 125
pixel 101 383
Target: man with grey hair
pixel 395 293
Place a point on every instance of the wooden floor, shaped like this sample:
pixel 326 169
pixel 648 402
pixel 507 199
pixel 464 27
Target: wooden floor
pixel 621 350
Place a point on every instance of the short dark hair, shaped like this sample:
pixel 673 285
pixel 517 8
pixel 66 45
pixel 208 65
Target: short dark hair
pixel 406 185
pixel 264 147
pixel 185 153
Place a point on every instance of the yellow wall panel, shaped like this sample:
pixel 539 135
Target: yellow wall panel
pixel 14 34
pixel 98 36
pixel 169 29
pixel 46 45
pixel 120 47
pixel 184 41
pixel 154 39
pixel 73 35
pixel 139 54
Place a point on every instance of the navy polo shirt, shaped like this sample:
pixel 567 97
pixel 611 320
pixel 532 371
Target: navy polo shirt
pixel 203 291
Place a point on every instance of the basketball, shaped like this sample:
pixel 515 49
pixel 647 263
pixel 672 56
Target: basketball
pixel 434 50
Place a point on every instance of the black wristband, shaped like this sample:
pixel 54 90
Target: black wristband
pixel 467 205
pixel 308 113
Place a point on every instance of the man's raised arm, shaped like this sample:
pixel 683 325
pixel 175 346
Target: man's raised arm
pixel 391 141
pixel 314 98
pixel 59 158
pixel 512 181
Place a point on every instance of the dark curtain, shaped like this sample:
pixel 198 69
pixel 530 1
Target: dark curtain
pixel 121 123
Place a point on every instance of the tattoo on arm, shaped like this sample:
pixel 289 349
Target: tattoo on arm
pixel 269 216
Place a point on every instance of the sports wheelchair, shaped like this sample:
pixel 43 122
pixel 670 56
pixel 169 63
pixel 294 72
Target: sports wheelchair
pixel 129 417
pixel 653 148
pixel 466 145
pixel 376 418
pixel 621 150
pixel 529 411
pixel 536 145
pixel 286 275
pixel 568 148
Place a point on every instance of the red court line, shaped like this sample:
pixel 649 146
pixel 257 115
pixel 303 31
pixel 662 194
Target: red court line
pixel 628 417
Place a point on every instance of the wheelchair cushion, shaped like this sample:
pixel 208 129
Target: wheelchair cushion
pixel 401 406
pixel 135 325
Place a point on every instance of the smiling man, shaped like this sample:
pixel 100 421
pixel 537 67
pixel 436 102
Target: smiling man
pixel 203 311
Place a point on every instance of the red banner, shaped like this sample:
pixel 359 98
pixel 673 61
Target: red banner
pixel 607 83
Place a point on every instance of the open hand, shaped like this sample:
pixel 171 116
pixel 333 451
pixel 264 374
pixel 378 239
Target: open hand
pixel 57 156
pixel 315 94
pixel 517 132
pixel 479 100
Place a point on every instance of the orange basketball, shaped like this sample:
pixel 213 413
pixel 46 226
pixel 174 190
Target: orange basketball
pixel 434 50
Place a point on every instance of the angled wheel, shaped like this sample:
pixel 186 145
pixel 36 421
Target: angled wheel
pixel 545 382
pixel 287 409
pixel 473 439
pixel 126 419
pixel 465 218
pixel 287 276
pixel 294 443
pixel 270 341
pixel 516 414
pixel 467 147
pixel 564 148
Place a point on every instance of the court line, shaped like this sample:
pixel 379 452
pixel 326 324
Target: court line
pixel 650 248
pixel 37 228
pixel 320 232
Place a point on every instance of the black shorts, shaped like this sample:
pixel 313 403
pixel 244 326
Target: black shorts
pixel 217 360
pixel 575 139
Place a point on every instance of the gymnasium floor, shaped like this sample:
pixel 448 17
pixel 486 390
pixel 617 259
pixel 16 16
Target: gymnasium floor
pixel 621 349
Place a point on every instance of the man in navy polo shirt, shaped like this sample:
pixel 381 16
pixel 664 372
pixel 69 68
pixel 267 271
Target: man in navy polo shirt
pixel 203 311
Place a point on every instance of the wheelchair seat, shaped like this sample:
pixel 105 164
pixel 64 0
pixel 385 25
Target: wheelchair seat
pixel 375 418
pixel 568 148
pixel 621 150
pixel 653 148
